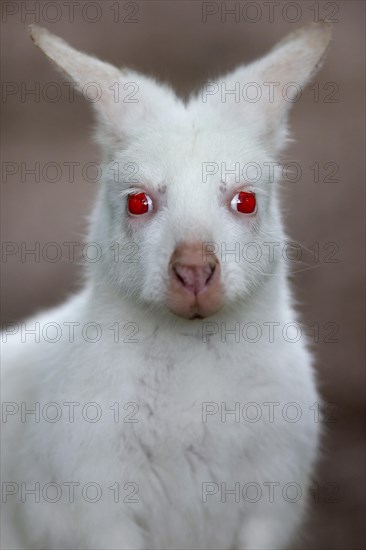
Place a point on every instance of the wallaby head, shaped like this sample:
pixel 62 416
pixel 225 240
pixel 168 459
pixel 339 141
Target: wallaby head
pixel 183 179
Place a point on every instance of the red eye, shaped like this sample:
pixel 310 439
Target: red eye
pixel 139 203
pixel 244 202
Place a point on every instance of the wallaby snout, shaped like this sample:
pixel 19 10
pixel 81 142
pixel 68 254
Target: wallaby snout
pixel 195 288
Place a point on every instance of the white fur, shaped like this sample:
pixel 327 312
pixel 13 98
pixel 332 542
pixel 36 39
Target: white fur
pixel 170 372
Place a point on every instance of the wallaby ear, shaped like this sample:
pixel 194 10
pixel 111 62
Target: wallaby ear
pixel 292 63
pixel 279 79
pixel 119 97
pixel 81 68
pixel 299 55
pixel 87 72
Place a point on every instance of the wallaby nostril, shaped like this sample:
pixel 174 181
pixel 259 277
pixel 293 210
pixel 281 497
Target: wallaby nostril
pixel 195 278
pixel 212 268
pixel 178 276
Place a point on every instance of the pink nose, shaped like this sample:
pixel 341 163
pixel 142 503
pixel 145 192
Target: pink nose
pixel 194 278
pixel 194 286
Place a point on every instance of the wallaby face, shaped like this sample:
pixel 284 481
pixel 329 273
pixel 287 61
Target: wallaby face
pixel 191 216
pixel 184 184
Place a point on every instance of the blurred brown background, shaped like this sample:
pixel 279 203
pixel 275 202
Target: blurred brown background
pixel 172 41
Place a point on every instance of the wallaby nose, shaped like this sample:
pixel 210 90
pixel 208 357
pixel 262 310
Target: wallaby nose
pixel 195 278
pixel 194 288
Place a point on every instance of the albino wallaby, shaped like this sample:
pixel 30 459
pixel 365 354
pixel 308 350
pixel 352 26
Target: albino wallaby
pixel 159 421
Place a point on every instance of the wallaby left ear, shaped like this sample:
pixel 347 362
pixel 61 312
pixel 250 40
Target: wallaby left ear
pixel 292 62
pixel 299 55
pixel 280 77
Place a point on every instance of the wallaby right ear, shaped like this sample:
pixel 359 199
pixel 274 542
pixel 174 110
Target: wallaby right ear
pixel 82 69
pixel 119 97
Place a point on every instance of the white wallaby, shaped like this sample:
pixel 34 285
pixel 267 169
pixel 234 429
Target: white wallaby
pixel 160 419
